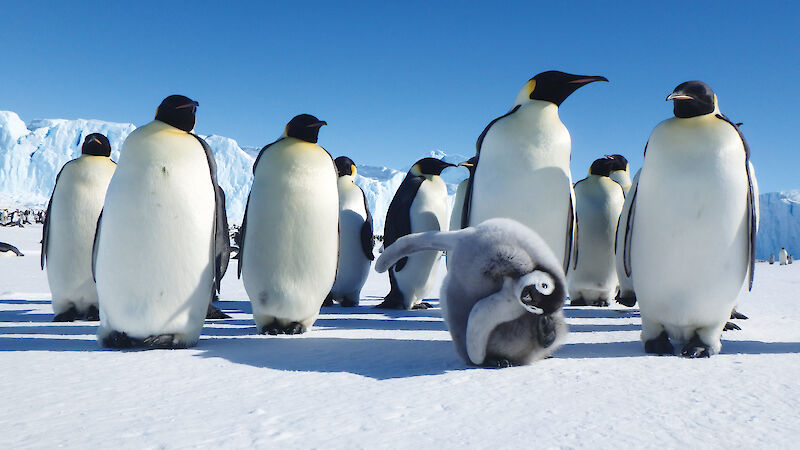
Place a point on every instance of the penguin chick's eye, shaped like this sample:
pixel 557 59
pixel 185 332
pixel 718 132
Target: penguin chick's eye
pixel 543 282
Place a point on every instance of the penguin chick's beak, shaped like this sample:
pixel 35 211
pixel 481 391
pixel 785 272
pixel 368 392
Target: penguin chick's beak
pixel 316 124
pixel 677 96
pixel 465 164
pixel 587 80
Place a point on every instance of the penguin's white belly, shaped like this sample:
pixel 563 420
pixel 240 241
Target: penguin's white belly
pixel 291 242
pixel 428 213
pixel 458 205
pixel 154 264
pixel 77 202
pixel 690 237
pixel 353 267
pixel 523 174
pixel 599 203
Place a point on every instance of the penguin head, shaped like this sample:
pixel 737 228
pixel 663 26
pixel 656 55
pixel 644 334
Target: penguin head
pixel 471 164
pixel 429 167
pixel 345 166
pixel 304 127
pixel 692 99
pixel 178 111
pixel 602 167
pixel 553 86
pixel 619 162
pixel 542 292
pixel 96 144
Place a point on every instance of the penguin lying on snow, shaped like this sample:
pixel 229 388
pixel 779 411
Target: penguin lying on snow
pixel 9 250
pixel 503 294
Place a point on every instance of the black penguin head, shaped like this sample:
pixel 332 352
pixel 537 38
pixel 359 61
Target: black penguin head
pixel 471 164
pixel 543 292
pixel 304 127
pixel 345 166
pixel 692 99
pixel 601 167
pixel 618 162
pixel 178 111
pixel 554 86
pixel 429 166
pixel 96 144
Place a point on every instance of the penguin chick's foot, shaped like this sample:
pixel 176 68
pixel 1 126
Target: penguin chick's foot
pixel 577 301
pixel 69 315
pixel 500 363
pixel 215 313
pixel 626 301
pixel 695 349
pixel 92 314
pixel 737 315
pixel 730 326
pixel 660 345
pixel 163 341
pixel 422 305
pixel 119 340
pixel 546 331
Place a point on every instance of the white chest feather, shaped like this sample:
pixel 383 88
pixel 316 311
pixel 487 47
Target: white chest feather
pixel 353 266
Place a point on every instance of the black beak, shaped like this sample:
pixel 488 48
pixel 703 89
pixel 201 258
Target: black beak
pixel 583 79
pixel 317 124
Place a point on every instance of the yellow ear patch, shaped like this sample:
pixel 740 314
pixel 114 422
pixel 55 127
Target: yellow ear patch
pixel 157 108
pixel 530 86
pixel 353 169
pixel 286 130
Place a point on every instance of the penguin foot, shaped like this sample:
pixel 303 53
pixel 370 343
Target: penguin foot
pixel 328 300
pixel 599 303
pixel 578 301
pixel 546 331
pixel 422 305
pixel 69 315
pixel 730 326
pixel 737 315
pixel 695 349
pixel 348 303
pixel 92 314
pixel 660 345
pixel 500 363
pixel 626 301
pixel 294 328
pixel 215 313
pixel 274 329
pixel 119 340
pixel 163 341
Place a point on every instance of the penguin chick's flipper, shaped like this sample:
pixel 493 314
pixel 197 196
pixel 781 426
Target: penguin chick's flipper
pixel 215 313
pixel 730 326
pixel 659 346
pixel 163 341
pixel 92 314
pixel 413 243
pixel 737 315
pixel 546 330
pixel 695 348
pixel 69 315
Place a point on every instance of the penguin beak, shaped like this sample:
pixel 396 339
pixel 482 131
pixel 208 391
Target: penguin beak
pixel 317 124
pixel 587 79
pixel 678 96
pixel 466 164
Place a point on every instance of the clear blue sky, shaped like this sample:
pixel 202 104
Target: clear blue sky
pixel 395 80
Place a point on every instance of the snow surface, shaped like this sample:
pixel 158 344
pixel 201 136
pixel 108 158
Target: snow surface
pixel 365 378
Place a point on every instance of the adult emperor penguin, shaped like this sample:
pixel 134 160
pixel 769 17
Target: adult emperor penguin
pixel 783 257
pixel 457 219
pixel 523 163
pixel 356 239
pixel 156 276
pixel 620 171
pixel 503 294
pixel 289 236
pixel 69 227
pixel 692 225
pixel 420 204
pixel 593 280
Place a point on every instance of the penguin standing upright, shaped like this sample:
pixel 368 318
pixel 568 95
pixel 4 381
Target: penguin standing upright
pixel 620 172
pixel 692 225
pixel 355 237
pixel 523 163
pixel 598 198
pixel 420 204
pixel 457 219
pixel 783 257
pixel 156 275
pixel 69 227
pixel 289 236
pixel 625 296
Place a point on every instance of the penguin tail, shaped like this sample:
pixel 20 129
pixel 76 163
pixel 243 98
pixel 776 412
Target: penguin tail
pixel 419 242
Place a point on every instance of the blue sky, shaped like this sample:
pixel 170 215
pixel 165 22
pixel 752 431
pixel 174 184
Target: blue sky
pixel 397 80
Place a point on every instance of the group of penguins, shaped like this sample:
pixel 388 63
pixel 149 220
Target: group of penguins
pixel 678 238
pixel 20 218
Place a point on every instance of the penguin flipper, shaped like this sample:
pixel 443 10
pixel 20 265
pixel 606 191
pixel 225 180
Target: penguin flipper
pixel 95 246
pixel 367 233
pixel 46 227
pixel 398 216
pixel 418 242
pixel 571 247
pixel 485 316
pixel 242 231
pixel 468 197
pixel 626 255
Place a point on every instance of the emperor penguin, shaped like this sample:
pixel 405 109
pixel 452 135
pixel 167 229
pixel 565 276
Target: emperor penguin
pixel 157 273
pixel 620 171
pixel 625 295
pixel 356 239
pixel 420 204
pixel 457 219
pixel 593 278
pixel 690 243
pixel 783 257
pixel 523 163
pixel 8 250
pixel 503 294
pixel 289 236
pixel 69 227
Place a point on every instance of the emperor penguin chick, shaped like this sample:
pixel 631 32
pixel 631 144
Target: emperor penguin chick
pixel 599 199
pixel 420 204
pixel 692 225
pixel 289 236
pixel 355 237
pixel 503 294
pixel 69 227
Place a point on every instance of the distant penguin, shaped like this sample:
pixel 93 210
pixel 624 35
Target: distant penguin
pixel 620 172
pixel 9 250
pixel 771 259
pixel 523 168
pixel 356 239
pixel 783 257
pixel 157 274
pixel 503 294
pixel 790 259
pixel 289 237
pixel 69 227
pixel 457 219
pixel 625 295
pixel 692 225
pixel 420 204
pixel 593 278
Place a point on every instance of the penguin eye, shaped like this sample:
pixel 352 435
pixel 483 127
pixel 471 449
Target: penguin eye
pixel 544 282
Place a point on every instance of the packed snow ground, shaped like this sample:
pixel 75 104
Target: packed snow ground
pixel 365 378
